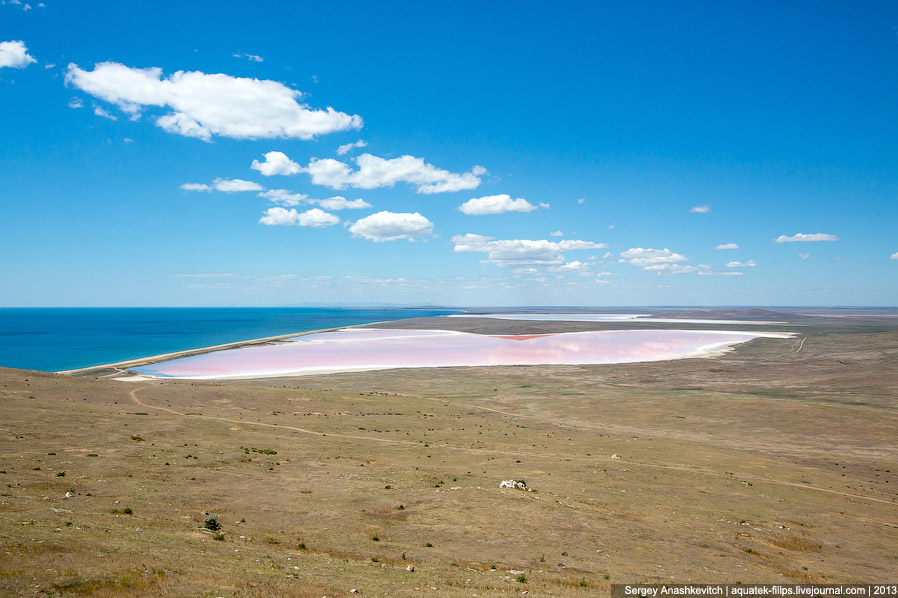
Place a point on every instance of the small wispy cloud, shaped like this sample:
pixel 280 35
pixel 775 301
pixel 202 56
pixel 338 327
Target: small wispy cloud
pixel 75 103
pixel 700 209
pixel 100 112
pixel 250 57
pixel 345 148
pixel 284 197
pixel 894 256
pixel 195 187
pixel 804 256
pixel 224 185
pixel 556 233
pixel 805 237
pixel 735 264
pixel 207 275
pixel 727 246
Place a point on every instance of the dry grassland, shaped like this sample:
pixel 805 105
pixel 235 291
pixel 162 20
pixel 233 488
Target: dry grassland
pixel 768 464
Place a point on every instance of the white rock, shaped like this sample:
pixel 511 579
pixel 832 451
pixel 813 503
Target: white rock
pixel 69 494
pixel 615 456
pixel 514 484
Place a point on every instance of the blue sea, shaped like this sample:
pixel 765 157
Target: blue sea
pixel 54 339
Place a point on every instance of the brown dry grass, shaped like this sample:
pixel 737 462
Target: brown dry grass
pixel 762 465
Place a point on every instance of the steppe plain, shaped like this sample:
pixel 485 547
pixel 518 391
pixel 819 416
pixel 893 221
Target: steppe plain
pixel 776 462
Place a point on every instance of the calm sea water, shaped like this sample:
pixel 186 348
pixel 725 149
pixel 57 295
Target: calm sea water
pixel 54 339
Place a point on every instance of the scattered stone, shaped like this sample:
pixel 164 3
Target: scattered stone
pixel 615 456
pixel 515 485
pixel 354 591
pixel 69 494
pixel 410 568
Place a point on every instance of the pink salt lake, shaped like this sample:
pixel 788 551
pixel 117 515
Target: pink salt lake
pixel 374 349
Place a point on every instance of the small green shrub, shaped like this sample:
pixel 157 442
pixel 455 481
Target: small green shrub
pixel 127 511
pixel 521 578
pixel 211 523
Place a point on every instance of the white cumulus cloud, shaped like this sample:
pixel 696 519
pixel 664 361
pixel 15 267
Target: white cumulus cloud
pixel 391 226
pixel 642 257
pixel 495 204
pixel 727 246
pixel 700 209
pixel 276 163
pixel 518 253
pixel 374 172
pixel 341 203
pixel 804 237
pixel 662 261
pixel 288 198
pixel 735 264
pixel 346 148
pixel 283 217
pixel 894 256
pixel 203 105
pixel 14 54
pixel 235 185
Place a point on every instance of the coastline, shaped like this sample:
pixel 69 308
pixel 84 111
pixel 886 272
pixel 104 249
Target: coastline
pixel 202 350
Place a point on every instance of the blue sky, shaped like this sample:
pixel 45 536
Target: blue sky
pixel 459 153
